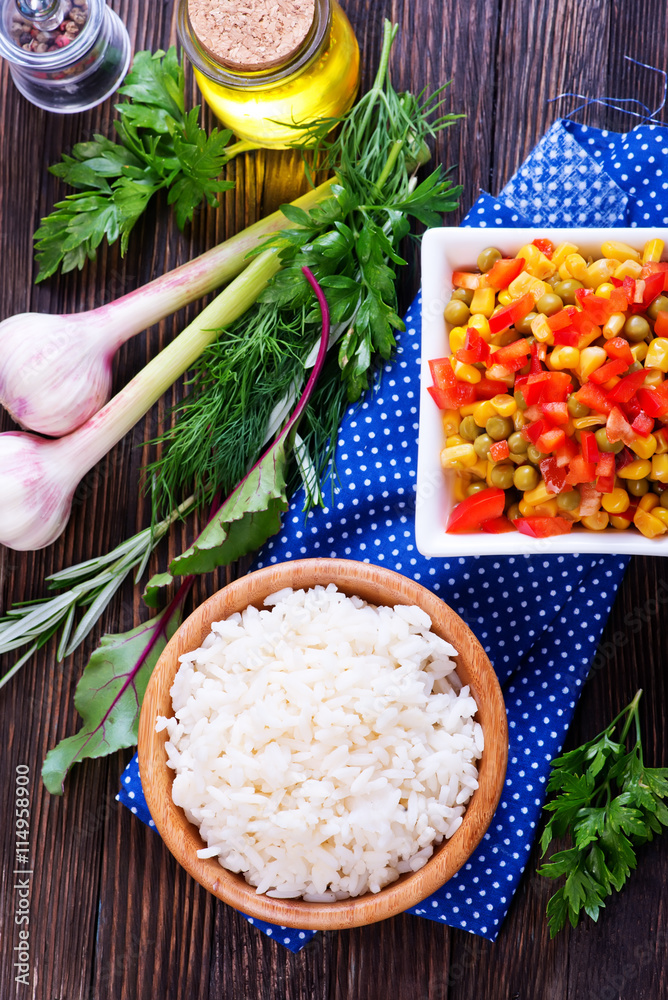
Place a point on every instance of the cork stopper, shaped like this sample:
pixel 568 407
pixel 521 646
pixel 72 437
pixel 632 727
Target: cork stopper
pixel 251 35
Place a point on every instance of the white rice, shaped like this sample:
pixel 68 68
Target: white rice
pixel 322 746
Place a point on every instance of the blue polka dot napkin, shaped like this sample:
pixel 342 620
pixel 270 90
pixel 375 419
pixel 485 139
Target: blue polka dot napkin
pixel 539 619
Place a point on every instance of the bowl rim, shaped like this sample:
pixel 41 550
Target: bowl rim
pixel 443 249
pixel 409 889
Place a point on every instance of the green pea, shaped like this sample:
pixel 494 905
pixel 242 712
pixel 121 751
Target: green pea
pixel 534 455
pixel 502 476
pixel 482 444
pixel 513 512
pixel 660 304
pixel 463 295
pixel 566 291
pixel 518 443
pixel 636 329
pixel 658 487
pixel 499 428
pixel 605 444
pixel 549 304
pixel 664 498
pixel 523 325
pixel 637 487
pixel 525 478
pixel 635 367
pixel 488 259
pixel 469 429
pixel 456 312
pixel 576 408
pixel 568 501
pixel 519 399
pixel 476 487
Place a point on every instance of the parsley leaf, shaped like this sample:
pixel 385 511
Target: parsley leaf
pixel 609 803
pixel 160 146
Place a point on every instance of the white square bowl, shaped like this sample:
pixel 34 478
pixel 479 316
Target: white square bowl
pixel 444 251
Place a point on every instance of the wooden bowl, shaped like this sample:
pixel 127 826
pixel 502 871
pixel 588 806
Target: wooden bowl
pixel 376 586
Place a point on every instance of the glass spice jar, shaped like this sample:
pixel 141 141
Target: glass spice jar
pixel 273 104
pixel 69 63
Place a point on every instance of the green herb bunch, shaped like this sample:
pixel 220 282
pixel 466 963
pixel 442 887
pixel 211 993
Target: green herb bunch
pixel 161 145
pixel 350 242
pixel 609 804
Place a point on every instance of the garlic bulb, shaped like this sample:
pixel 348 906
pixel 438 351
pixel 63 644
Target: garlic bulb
pixel 35 489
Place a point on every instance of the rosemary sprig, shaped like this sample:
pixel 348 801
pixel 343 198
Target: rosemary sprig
pixel 608 803
pixel 90 586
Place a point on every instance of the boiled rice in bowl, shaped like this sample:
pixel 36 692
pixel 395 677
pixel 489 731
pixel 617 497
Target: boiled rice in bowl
pixel 323 744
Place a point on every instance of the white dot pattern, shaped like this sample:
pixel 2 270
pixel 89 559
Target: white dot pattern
pixel 540 619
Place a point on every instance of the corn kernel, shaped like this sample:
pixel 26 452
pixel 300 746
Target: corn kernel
pixel 662 514
pixel 591 358
pixel 657 354
pixel 548 508
pixel 615 502
pixel 466 410
pixel 654 376
pixel 461 453
pixel 519 420
pixel 585 423
pixel 482 412
pixel 466 373
pixel 536 262
pixel 628 269
pixel 505 298
pixel 649 501
pixel 639 351
pixel 620 251
pixel 604 290
pixel 456 339
pixel 483 301
pixel 454 440
pixel 576 267
pixel 620 523
pixel 479 470
pixel 524 283
pixel 561 252
pixel 652 251
pixel 451 421
pixel 459 490
pixel 598 273
pixel 639 469
pixel 596 522
pixel 585 339
pixel 539 494
pixel 564 357
pixel 526 510
pixel 644 447
pixel 659 471
pixel 647 524
pixel 614 325
pixel 661 444
pixel 481 324
pixel 541 329
pixel 504 404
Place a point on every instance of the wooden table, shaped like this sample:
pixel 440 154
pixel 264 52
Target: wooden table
pixel 112 916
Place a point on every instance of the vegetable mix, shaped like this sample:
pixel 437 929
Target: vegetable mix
pixel 554 399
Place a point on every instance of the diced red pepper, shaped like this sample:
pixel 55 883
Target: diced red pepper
pixel 643 425
pixel 653 286
pixel 566 452
pixel 580 471
pixel 513 356
pixel 488 388
pixel 497 525
pixel 654 401
pixel 624 458
pixel 466 279
pixel 590 451
pixel 562 319
pixel 442 374
pixel 475 349
pixel 499 450
pixel 533 431
pixel 608 371
pixel 661 323
pixel 556 413
pixel 629 289
pixel 605 472
pixel 626 387
pixel 590 499
pixel 595 307
pixel 618 428
pixel 554 475
pixel 510 314
pixel 618 348
pixel 476 509
pixel 585 326
pixel 557 387
pixel 545 246
pixel 550 440
pixel 543 527
pixel 566 338
pixel 504 271
pixel 594 397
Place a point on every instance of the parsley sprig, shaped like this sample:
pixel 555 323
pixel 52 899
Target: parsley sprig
pixel 609 804
pixel 161 146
